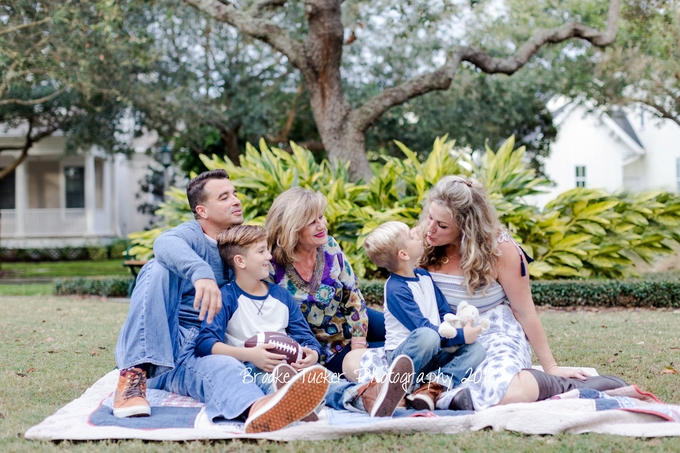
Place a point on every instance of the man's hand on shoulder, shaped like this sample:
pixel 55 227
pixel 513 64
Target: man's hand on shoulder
pixel 208 297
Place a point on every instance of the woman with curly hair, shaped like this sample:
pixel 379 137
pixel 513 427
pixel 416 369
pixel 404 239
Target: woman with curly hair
pixel 472 257
pixel 311 266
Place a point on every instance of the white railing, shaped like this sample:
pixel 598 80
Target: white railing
pixel 102 224
pixel 52 223
pixel 7 223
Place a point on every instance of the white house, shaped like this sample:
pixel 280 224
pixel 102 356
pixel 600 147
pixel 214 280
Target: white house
pixel 630 150
pixel 55 199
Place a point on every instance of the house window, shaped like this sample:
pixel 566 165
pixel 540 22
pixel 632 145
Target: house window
pixel 75 187
pixel 580 176
pixel 43 184
pixel 7 194
pixel 99 184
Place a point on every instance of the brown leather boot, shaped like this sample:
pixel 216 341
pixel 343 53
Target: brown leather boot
pixel 130 397
pixel 428 394
pixel 425 396
pixel 290 403
pixel 381 399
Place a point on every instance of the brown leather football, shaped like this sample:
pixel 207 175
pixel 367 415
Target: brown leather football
pixel 285 345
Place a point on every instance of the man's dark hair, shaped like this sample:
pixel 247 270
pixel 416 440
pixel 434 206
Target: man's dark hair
pixel 195 189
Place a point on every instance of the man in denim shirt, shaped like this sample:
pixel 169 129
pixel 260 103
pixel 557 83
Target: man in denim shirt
pixel 164 317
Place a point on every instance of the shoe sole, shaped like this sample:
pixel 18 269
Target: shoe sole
pixel 394 387
pixel 281 375
pixel 132 411
pixel 420 403
pixel 291 403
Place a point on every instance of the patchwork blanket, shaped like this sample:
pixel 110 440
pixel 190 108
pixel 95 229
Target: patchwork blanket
pixel 627 412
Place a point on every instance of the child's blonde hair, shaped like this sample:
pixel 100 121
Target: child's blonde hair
pixel 236 240
pixel 382 245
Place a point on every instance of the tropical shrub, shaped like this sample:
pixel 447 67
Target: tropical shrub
pixel 635 292
pixel 583 233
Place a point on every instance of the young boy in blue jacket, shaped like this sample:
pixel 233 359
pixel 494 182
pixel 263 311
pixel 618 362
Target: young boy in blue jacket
pixel 252 306
pixel 414 308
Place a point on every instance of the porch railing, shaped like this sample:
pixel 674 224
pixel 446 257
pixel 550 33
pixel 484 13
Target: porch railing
pixel 52 223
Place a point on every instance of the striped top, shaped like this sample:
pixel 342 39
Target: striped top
pixel 452 286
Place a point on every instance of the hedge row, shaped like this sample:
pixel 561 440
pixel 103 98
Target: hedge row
pixel 92 286
pixel 653 293
pixel 567 293
pixel 115 250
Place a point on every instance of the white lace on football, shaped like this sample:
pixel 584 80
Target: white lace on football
pixel 284 346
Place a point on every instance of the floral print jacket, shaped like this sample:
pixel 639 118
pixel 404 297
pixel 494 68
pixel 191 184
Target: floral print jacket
pixel 331 302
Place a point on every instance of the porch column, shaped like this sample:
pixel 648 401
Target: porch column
pixel 21 199
pixel 107 194
pixel 90 194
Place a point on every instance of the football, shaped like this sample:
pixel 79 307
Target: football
pixel 285 345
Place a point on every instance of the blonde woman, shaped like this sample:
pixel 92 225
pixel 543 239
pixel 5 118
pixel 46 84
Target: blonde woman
pixel 311 266
pixel 472 257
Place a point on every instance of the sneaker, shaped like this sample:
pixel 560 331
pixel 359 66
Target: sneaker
pixel 425 397
pixel 380 399
pixel 281 375
pixel 299 397
pixel 455 400
pixel 130 397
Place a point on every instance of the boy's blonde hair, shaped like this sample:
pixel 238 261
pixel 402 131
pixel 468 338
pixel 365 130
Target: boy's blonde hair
pixel 383 244
pixel 236 240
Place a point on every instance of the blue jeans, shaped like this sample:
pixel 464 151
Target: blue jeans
pixel 222 382
pixel 423 346
pixel 151 332
pixel 152 335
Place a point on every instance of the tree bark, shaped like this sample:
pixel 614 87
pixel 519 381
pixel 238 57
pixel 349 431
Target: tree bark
pixel 229 138
pixel 319 59
pixel 25 148
pixel 323 51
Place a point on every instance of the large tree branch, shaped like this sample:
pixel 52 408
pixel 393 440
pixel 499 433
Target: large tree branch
pixel 258 28
pixel 258 7
pixel 10 148
pixel 661 110
pixel 441 78
pixel 22 26
pixel 34 101
pixel 541 37
pixel 30 140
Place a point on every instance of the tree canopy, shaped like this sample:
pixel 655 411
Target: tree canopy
pixel 63 67
pixel 312 36
pixel 643 65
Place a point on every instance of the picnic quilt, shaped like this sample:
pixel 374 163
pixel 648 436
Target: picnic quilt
pixel 628 411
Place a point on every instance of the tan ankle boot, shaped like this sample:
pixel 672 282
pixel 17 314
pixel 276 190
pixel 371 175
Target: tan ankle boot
pixel 381 399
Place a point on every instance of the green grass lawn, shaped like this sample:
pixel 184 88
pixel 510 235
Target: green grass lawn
pixel 53 348
pixel 39 289
pixel 65 269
